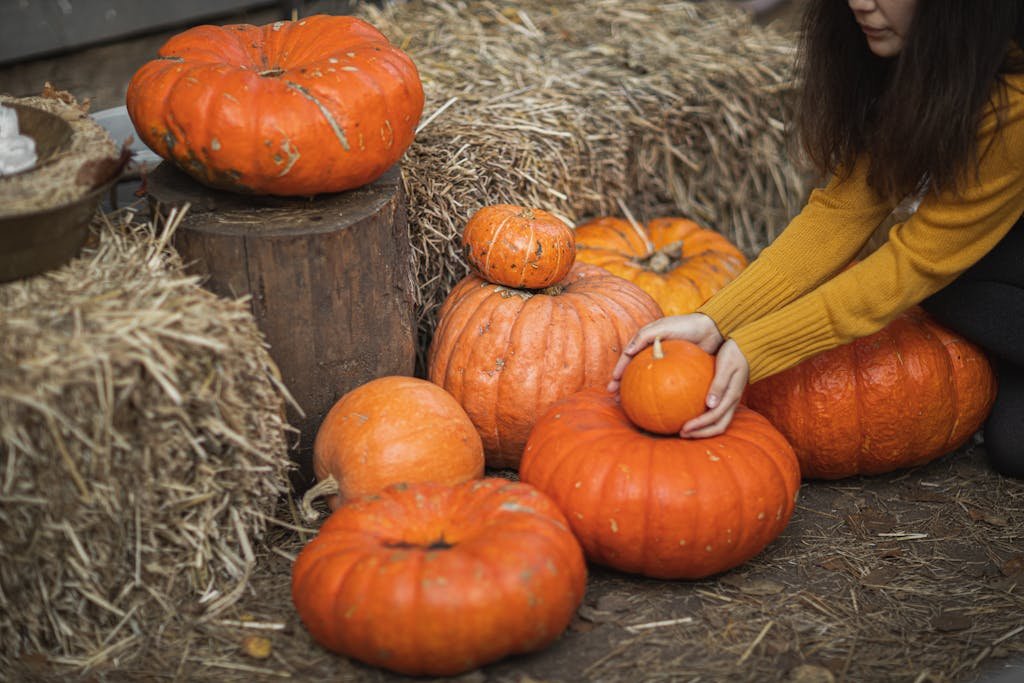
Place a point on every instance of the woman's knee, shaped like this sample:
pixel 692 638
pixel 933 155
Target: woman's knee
pixel 1004 428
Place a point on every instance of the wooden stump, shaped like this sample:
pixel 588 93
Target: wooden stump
pixel 330 278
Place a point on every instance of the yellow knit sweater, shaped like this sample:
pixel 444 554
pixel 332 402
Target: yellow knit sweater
pixel 795 299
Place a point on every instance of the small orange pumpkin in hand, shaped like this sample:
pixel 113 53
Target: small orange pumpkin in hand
pixel 665 385
pixel 388 431
pixel 518 247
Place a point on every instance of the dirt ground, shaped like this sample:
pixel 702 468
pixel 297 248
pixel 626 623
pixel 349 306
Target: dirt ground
pixel 915 576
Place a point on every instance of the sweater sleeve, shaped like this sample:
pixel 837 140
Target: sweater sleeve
pixel 948 233
pixel 835 224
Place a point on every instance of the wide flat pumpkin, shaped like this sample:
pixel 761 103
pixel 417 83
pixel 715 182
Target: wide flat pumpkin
pixel 323 104
pixel 898 398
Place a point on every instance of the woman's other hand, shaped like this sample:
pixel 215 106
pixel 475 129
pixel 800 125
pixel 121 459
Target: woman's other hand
pixel 731 368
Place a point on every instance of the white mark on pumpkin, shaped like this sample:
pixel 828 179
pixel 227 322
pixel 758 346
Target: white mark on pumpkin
pixel 350 54
pixel 349 68
pixel 277 25
pixel 708 547
pixel 293 156
pixel 778 515
pixel 332 60
pixel 215 145
pixel 615 525
pixel 713 458
pixel 512 506
pixel 388 135
pixel 760 515
pixel 362 142
pixel 578 515
pixel 682 541
pixel 579 484
pixel 230 97
pixel 338 132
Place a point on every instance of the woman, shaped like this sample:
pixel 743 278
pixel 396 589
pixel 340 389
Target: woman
pixel 899 97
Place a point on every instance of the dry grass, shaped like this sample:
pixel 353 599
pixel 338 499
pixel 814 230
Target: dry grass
pixel 142 447
pixel 585 107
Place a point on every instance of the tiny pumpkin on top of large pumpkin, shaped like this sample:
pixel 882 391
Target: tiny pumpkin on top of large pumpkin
pixel 518 246
pixel 675 260
pixel 666 384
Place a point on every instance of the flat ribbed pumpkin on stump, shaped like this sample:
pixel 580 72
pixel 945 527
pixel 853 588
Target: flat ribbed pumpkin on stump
pixel 898 398
pixel 662 506
pixel 675 260
pixel 323 104
pixel 435 580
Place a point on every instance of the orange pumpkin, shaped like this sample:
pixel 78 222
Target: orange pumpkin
pixel 322 104
pixel 507 354
pixel 675 260
pixel 665 385
pixel 393 430
pixel 898 398
pixel 436 580
pixel 662 506
pixel 518 247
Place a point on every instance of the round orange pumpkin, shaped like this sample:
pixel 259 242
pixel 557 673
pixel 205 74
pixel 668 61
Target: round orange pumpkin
pixel 665 385
pixel 323 104
pixel 675 260
pixel 393 430
pixel 507 354
pixel 898 398
pixel 436 580
pixel 662 506
pixel 517 246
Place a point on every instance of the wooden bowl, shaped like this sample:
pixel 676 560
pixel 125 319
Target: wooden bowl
pixel 39 240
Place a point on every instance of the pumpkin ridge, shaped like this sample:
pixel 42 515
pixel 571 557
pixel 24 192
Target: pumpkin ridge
pixel 780 481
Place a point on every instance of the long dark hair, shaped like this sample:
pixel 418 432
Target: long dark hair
pixel 916 114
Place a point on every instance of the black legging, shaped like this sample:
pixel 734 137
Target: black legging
pixel 986 305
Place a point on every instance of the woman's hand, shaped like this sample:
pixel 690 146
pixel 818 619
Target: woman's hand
pixel 731 368
pixel 731 374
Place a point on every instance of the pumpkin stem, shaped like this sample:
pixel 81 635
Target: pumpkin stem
pixel 662 260
pixel 553 290
pixel 324 487
pixel 658 352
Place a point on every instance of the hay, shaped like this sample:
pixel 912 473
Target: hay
pixel 586 107
pixel 142 447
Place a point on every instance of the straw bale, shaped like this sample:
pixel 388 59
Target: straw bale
pixel 142 447
pixel 592 107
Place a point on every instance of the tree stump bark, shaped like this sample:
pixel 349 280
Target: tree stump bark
pixel 330 280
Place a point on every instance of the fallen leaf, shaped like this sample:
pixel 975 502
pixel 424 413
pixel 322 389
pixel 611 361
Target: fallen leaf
pixel 951 620
pixel 257 647
pixel 810 673
pixel 1013 566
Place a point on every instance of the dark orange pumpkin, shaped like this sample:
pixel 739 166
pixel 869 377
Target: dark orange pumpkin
pixel 393 430
pixel 518 247
pixel 665 385
pixel 662 506
pixel 507 354
pixel 322 104
pixel 436 580
pixel 898 398
pixel 675 260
